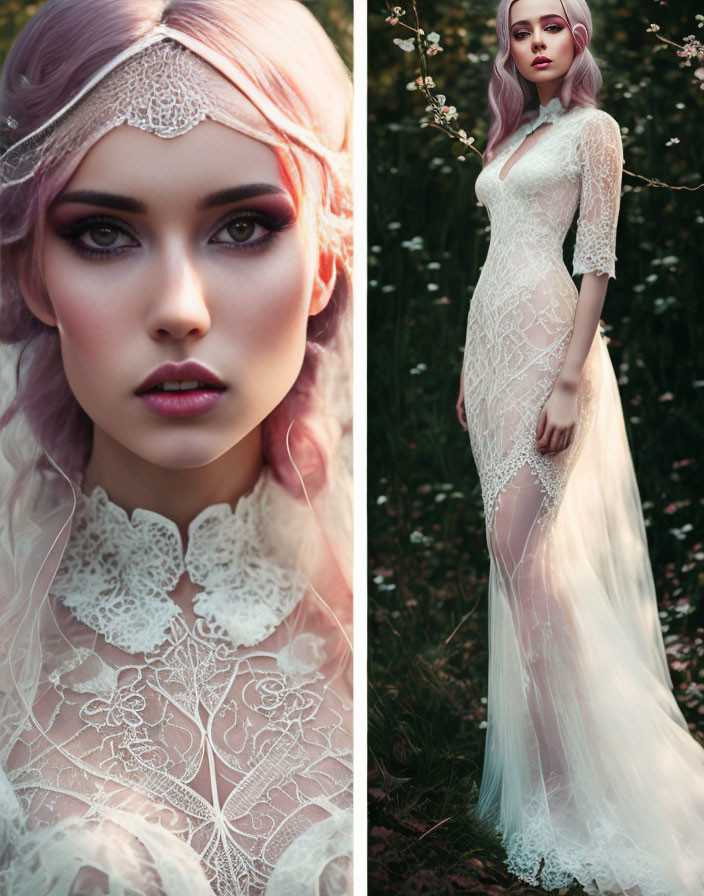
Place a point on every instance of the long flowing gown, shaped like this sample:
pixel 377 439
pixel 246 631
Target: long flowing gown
pixel 590 771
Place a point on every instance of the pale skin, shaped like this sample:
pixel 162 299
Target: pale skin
pixel 186 249
pixel 538 28
pixel 179 268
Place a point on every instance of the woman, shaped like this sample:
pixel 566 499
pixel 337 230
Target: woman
pixel 175 676
pixel 590 772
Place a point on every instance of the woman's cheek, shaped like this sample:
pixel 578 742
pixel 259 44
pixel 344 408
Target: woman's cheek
pixel 271 310
pixel 265 320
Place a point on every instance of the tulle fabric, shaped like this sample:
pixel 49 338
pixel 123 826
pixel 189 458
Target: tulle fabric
pixel 590 770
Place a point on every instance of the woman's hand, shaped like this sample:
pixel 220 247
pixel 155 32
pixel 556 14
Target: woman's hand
pixel 459 407
pixel 558 419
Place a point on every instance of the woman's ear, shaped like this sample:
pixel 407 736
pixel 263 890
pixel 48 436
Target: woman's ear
pixel 36 299
pixel 324 283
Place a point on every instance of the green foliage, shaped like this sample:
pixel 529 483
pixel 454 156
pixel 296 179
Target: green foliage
pixel 428 556
pixel 14 14
pixel 334 15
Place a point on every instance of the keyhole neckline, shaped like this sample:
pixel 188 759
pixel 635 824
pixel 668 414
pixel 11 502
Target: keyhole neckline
pixel 547 115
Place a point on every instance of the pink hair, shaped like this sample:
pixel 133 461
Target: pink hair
pixel 513 99
pixel 288 56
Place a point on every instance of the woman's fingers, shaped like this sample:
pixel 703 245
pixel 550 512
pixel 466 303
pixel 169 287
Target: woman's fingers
pixel 461 413
pixel 544 440
pixel 549 444
pixel 554 439
pixel 564 439
pixel 540 431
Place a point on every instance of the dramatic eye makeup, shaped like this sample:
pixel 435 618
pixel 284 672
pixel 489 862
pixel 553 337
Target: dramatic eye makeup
pixel 553 24
pixel 249 229
pixel 96 236
pixel 102 236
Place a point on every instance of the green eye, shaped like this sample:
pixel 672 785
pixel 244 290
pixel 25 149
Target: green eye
pixel 241 230
pixel 103 235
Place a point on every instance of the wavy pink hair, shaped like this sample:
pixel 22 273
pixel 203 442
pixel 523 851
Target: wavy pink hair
pixel 282 49
pixel 514 100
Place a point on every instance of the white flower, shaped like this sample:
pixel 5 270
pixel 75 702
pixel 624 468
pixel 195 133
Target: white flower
pixel 408 46
pixel 681 533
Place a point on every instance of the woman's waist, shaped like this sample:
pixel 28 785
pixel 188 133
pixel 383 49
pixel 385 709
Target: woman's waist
pixel 547 291
pixel 516 253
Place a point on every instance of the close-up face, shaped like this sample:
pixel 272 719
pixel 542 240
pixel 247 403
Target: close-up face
pixel 541 42
pixel 183 251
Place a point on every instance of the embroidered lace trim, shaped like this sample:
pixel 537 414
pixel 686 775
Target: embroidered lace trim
pixel 118 571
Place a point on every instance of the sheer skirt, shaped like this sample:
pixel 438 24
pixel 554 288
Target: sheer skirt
pixel 590 771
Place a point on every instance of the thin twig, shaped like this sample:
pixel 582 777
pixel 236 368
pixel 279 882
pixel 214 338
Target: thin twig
pixel 434 827
pixel 655 182
pixel 441 124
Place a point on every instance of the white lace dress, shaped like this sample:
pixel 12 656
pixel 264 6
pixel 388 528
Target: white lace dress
pixel 590 772
pixel 191 732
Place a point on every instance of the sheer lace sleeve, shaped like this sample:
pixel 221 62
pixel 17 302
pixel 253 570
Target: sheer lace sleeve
pixel 601 160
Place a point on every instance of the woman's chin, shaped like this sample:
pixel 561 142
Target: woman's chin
pixel 170 451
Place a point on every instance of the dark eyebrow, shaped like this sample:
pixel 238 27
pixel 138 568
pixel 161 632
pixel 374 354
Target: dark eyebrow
pixel 127 204
pixel 104 200
pixel 235 194
pixel 552 15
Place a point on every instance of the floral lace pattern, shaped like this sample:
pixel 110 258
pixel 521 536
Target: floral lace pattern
pixel 170 753
pixel 117 571
pixel 524 302
pixel 606 862
pixel 547 114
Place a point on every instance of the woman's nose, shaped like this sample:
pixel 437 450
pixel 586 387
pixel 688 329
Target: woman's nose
pixel 177 306
pixel 538 41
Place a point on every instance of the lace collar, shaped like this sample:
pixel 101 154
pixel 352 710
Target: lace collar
pixel 117 571
pixel 547 114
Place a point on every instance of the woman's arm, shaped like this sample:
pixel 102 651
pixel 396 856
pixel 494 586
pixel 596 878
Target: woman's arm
pixel 558 418
pixel 459 407
pixel 600 154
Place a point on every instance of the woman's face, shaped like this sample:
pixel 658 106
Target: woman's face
pixel 539 31
pixel 166 252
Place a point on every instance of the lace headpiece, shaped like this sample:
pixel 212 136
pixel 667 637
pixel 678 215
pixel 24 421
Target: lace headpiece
pixel 165 84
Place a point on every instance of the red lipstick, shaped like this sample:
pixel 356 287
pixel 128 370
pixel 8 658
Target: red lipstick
pixel 541 61
pixel 181 390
